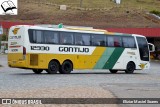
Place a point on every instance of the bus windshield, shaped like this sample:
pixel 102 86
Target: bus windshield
pixel 143 48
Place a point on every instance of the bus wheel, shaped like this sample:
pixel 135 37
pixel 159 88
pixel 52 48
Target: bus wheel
pixel 53 67
pixel 130 68
pixel 113 71
pixel 66 67
pixel 37 71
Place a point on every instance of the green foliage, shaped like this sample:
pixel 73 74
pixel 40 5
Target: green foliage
pixel 155 12
pixel 4 37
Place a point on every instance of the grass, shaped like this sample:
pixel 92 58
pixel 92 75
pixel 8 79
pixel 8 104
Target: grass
pixel 148 5
pixel 94 13
pixel 155 12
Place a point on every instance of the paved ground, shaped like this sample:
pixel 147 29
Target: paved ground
pixel 80 84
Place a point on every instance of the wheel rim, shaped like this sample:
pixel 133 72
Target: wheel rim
pixel 53 67
pixel 130 67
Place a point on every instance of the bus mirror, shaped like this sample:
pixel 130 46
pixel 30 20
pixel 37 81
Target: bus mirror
pixel 151 47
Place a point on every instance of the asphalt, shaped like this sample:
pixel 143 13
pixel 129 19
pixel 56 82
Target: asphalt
pixel 141 84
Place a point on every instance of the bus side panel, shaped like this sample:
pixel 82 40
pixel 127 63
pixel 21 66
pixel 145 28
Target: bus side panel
pixel 109 58
pixel 37 61
pixel 128 55
pixel 102 62
pixel 15 47
pixel 90 61
pixel 41 60
pixel 60 57
pixel 79 61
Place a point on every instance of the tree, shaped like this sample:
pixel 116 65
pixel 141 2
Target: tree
pixel 4 37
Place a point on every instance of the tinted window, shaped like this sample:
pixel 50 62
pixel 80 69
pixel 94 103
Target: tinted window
pixel 143 48
pixel 36 36
pixel 128 42
pixel 114 41
pixel 51 37
pixel 98 40
pixel 66 38
pixel 82 39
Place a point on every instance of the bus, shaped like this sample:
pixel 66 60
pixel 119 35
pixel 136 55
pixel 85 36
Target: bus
pixel 65 49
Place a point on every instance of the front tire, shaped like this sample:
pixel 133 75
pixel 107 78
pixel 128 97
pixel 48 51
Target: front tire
pixel 66 67
pixel 113 71
pixel 37 71
pixel 53 67
pixel 130 68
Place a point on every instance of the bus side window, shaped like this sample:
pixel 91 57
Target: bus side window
pixel 78 39
pixel 98 40
pixel 66 38
pixel 82 39
pixel 110 41
pixel 51 37
pixel 86 39
pixel 117 41
pixel 128 42
pixel 30 32
pixel 114 41
pixel 37 36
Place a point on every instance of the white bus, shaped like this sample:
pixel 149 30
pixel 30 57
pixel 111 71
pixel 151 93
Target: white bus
pixel 64 49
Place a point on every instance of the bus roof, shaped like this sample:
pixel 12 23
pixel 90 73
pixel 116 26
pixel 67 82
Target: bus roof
pixel 80 30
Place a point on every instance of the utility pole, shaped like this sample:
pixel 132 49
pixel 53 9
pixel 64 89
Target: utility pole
pixel 81 1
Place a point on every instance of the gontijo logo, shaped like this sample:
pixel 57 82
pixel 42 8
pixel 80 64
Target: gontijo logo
pixel 8 7
pixel 15 31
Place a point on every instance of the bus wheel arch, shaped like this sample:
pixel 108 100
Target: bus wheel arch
pixel 53 66
pixel 66 67
pixel 130 67
pixel 37 71
pixel 113 71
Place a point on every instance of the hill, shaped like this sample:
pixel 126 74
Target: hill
pixel 96 13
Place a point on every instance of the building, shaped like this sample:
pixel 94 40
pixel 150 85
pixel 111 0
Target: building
pixel 152 34
pixel 7 24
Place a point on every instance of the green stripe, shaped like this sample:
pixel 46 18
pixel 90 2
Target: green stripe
pixel 113 58
pixel 105 56
pixel 122 34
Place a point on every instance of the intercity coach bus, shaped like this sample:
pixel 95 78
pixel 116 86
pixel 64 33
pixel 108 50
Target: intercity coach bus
pixel 64 49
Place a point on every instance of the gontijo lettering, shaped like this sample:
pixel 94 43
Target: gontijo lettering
pixel 73 49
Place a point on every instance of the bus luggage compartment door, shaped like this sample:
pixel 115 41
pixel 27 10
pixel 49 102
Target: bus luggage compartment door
pixel 34 59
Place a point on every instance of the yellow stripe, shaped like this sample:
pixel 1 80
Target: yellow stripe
pixel 89 61
pixel 41 61
pixel 109 33
pixel 87 29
